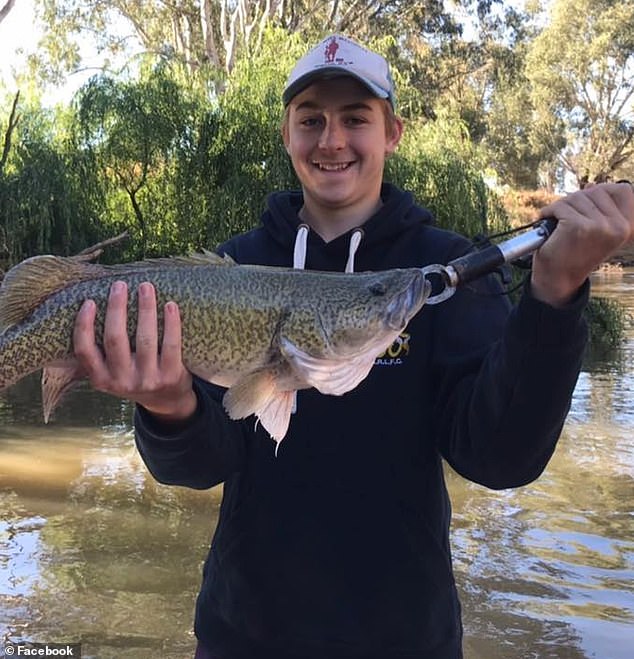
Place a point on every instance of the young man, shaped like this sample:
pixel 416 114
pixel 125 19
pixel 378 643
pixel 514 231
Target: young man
pixel 339 546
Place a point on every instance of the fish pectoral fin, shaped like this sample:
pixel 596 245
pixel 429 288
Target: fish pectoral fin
pixel 56 382
pixel 329 375
pixel 257 393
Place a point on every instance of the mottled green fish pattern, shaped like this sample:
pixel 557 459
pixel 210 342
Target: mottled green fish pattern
pixel 262 332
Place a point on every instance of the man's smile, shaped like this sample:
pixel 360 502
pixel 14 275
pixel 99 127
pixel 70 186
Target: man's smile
pixel 332 166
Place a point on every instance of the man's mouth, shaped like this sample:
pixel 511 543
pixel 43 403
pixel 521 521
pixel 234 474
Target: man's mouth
pixel 332 166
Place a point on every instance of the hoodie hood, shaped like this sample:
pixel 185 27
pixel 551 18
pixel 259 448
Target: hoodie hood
pixel 398 214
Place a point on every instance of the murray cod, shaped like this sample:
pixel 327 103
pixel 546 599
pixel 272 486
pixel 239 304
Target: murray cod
pixel 262 332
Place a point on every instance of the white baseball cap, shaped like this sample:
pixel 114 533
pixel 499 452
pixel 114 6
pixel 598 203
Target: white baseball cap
pixel 335 56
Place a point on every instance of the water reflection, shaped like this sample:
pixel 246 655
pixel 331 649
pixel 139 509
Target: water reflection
pixel 93 550
pixel 547 570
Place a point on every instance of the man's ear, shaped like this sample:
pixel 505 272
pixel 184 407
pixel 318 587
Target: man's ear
pixel 394 139
pixel 285 136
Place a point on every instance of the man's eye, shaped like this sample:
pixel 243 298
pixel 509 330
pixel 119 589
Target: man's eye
pixel 309 122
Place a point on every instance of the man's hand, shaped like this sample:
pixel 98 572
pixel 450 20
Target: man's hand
pixel 592 224
pixel 157 381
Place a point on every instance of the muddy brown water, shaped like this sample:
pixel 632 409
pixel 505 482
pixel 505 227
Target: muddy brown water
pixel 93 550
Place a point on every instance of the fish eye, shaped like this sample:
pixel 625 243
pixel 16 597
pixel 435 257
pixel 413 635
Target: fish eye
pixel 377 289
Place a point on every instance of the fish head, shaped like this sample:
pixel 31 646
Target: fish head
pixel 355 319
pixel 377 306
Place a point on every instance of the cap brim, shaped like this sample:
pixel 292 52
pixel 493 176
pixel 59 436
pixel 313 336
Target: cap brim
pixel 328 72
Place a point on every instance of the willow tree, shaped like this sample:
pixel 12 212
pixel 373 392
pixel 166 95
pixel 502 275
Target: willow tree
pixel 47 189
pixel 135 132
pixel 581 68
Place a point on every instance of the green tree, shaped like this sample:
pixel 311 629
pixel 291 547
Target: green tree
pixel 246 150
pixel 581 69
pixel 47 189
pixel 135 132
pixel 199 34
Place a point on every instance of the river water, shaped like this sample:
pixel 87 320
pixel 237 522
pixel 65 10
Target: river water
pixel 92 550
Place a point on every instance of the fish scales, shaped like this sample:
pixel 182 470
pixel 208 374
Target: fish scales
pixel 261 331
pixel 230 324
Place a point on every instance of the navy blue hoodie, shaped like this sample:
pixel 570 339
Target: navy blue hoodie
pixel 339 546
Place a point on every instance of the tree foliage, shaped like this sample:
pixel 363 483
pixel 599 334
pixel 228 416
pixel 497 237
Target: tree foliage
pixel 47 191
pixel 153 155
pixel 181 146
pixel 581 69
pixel 134 132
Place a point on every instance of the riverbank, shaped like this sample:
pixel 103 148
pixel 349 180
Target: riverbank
pixel 523 206
pixel 624 257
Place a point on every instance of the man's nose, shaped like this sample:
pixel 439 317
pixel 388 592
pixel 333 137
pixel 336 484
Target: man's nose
pixel 332 137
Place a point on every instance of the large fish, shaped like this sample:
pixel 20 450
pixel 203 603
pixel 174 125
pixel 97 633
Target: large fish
pixel 262 332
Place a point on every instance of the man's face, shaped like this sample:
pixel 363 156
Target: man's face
pixel 337 139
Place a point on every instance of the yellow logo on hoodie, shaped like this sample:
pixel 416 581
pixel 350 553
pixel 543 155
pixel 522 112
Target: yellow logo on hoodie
pixel 395 353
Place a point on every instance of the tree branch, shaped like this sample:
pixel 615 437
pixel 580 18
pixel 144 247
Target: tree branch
pixel 4 11
pixel 13 122
pixel 92 252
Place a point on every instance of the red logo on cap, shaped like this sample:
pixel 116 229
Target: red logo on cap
pixel 331 50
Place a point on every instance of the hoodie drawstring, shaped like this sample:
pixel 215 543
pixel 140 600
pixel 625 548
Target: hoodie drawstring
pixel 299 253
pixel 355 241
pixel 301 241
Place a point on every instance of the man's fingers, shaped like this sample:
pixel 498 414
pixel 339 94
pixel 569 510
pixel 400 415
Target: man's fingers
pixel 84 330
pixel 598 212
pixel 115 334
pixel 623 196
pixel 86 350
pixel 171 354
pixel 147 330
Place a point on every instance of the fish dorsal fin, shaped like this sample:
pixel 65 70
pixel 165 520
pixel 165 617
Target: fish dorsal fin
pixel 198 258
pixel 30 282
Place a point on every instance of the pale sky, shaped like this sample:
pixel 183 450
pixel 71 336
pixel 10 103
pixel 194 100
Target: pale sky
pixel 19 35
pixel 17 31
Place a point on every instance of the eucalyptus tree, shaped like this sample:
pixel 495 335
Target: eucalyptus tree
pixel 215 34
pixel 581 70
pixel 197 33
pixel 514 153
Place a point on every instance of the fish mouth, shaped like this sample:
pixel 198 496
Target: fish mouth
pixel 404 305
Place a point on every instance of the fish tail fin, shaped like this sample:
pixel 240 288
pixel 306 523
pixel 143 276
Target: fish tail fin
pixel 29 283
